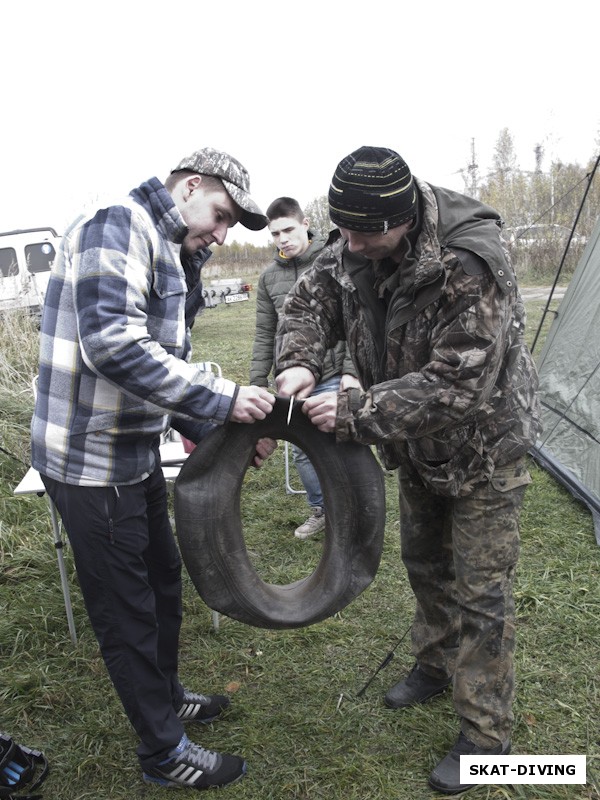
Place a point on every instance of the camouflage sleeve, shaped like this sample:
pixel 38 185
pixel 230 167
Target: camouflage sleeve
pixel 467 332
pixel 310 323
pixel 348 367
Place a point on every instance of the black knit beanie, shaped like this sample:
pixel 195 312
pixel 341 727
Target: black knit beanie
pixel 372 189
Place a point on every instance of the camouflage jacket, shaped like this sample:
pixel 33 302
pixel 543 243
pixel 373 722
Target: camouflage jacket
pixel 273 285
pixel 439 342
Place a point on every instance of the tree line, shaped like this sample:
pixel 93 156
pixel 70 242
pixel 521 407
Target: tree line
pixel 538 208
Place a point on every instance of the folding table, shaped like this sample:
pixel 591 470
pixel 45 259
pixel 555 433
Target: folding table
pixel 172 456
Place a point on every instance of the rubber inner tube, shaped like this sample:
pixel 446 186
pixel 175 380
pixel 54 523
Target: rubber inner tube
pixel 207 497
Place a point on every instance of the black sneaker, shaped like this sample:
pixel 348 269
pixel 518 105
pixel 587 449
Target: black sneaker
pixel 446 776
pixel 417 687
pixel 191 766
pixel 201 707
pixel 20 768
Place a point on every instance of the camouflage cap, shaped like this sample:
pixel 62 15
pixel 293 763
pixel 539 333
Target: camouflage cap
pixel 236 181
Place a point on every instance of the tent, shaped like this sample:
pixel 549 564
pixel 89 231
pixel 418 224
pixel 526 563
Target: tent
pixel 569 370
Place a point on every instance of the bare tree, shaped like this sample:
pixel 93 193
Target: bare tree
pixel 505 188
pixel 317 212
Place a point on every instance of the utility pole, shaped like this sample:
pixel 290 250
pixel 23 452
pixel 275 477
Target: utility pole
pixel 472 167
pixel 538 152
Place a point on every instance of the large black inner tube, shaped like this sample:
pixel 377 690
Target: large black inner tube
pixel 208 522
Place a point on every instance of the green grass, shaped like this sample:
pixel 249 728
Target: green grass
pixel 295 713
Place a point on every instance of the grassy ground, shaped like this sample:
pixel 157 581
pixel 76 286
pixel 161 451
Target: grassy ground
pixel 295 715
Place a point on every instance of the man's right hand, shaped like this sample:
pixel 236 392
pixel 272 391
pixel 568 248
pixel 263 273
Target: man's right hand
pixel 252 403
pixel 296 381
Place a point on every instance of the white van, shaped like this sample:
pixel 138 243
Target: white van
pixel 26 257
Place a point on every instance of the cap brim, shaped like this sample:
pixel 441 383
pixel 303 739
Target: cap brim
pixel 251 217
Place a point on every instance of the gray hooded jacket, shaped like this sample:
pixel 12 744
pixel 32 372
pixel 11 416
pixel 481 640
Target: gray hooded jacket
pixel 273 286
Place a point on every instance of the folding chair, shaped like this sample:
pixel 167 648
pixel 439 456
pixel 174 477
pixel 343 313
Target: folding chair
pixel 31 483
pixel 172 455
pixel 288 487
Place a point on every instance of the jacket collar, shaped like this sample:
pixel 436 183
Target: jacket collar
pixel 158 203
pixel 317 243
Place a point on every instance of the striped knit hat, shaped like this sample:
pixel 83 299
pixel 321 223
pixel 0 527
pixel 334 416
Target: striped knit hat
pixel 372 190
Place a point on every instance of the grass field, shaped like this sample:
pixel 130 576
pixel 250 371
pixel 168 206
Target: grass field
pixel 295 713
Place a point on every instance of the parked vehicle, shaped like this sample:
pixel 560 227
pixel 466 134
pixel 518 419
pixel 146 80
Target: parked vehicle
pixel 227 291
pixel 540 235
pixel 26 257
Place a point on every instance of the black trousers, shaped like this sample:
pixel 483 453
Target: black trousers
pixel 129 570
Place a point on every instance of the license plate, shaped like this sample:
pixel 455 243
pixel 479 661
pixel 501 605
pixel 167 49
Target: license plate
pixel 237 298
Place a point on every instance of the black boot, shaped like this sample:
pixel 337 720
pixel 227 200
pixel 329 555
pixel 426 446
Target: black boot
pixel 446 776
pixel 416 688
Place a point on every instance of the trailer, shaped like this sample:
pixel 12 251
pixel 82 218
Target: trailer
pixel 226 291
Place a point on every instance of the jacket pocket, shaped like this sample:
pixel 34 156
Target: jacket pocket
pixel 166 319
pixel 167 281
pixel 511 476
pixel 97 422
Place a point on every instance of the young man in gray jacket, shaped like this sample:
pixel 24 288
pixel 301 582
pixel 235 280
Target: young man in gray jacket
pixel 297 248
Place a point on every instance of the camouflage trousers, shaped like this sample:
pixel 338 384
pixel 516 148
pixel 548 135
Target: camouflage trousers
pixel 461 554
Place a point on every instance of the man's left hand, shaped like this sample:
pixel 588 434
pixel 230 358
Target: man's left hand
pixel 264 448
pixel 321 409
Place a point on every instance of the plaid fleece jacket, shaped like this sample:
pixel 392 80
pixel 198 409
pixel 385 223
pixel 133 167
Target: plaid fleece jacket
pixel 114 367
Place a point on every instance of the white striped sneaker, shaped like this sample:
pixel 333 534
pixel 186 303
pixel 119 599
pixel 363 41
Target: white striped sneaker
pixel 201 707
pixel 191 766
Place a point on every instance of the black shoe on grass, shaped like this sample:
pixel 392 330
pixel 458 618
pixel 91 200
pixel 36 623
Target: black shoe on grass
pixel 416 688
pixel 191 766
pixel 201 707
pixel 446 776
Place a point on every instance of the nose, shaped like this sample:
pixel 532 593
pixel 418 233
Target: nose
pixel 220 234
pixel 355 242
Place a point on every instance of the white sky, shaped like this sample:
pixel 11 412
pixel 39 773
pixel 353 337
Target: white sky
pixel 97 97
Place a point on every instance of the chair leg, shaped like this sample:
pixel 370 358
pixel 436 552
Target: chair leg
pixel 59 545
pixel 288 486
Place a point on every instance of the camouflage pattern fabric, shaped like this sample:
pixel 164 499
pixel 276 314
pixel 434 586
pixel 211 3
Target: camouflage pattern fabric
pixel 235 178
pixel 451 387
pixel 460 555
pixel 451 400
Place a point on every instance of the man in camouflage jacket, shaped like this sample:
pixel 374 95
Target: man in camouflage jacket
pixel 419 284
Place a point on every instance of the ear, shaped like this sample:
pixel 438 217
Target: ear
pixel 192 183
pixel 305 223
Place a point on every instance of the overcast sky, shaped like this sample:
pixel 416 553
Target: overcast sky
pixel 98 97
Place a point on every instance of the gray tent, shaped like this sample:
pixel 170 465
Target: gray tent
pixel 569 368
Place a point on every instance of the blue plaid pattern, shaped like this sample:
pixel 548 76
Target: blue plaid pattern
pixel 115 345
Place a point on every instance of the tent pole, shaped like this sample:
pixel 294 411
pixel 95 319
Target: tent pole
pixel 590 178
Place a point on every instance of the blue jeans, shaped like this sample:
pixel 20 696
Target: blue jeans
pixel 306 471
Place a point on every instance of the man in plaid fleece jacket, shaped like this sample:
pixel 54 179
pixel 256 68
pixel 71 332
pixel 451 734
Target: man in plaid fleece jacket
pixel 115 373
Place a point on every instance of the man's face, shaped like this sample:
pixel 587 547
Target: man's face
pixel 290 236
pixel 377 246
pixel 208 214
